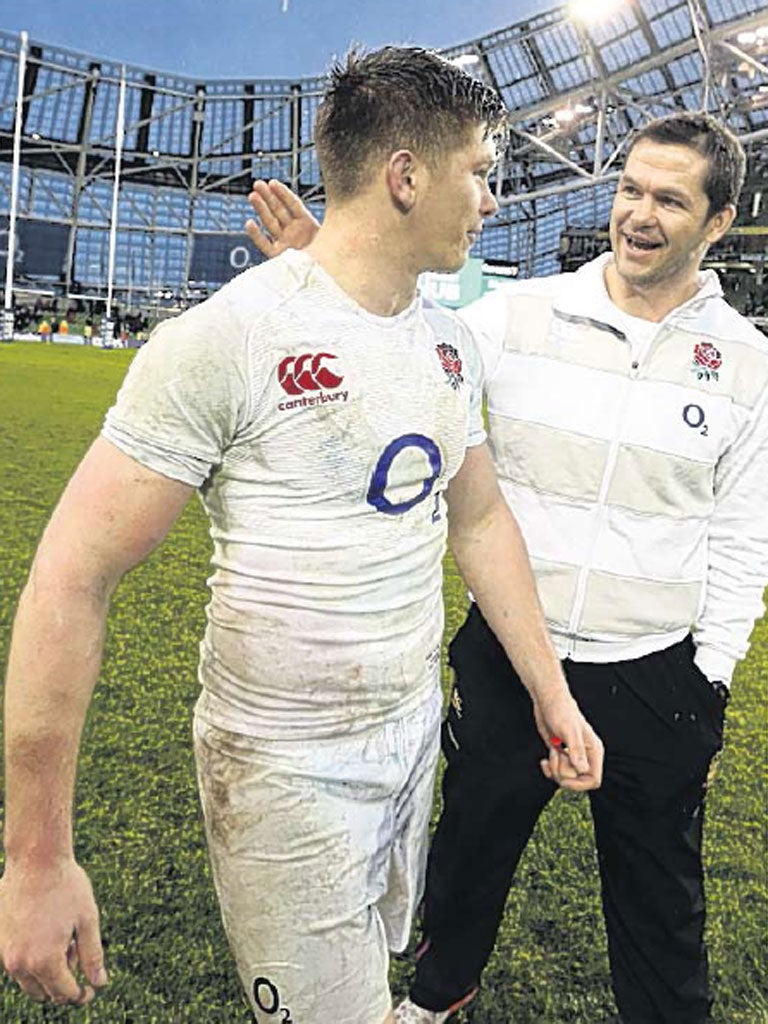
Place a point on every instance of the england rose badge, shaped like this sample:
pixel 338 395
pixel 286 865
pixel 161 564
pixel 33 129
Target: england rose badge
pixel 707 360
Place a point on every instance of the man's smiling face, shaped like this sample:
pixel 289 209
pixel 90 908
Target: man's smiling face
pixel 660 222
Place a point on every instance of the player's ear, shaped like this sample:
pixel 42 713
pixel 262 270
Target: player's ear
pixel 401 179
pixel 719 223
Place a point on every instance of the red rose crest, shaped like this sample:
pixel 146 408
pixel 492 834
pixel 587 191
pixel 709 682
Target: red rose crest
pixel 706 360
pixel 451 363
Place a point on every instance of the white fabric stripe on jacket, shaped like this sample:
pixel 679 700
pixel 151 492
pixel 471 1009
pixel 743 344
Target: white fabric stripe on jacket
pixel 641 489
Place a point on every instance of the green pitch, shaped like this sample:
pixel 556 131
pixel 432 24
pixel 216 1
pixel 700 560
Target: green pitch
pixel 139 831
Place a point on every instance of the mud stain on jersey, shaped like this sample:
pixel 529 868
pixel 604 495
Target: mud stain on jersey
pixel 222 777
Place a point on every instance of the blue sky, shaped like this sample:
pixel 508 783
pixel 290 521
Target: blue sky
pixel 253 38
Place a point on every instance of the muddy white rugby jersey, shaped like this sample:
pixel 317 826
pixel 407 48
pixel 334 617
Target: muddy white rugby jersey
pixel 321 438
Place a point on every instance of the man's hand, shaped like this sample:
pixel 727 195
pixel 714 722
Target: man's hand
pixel 491 556
pixel 286 223
pixel 576 760
pixel 49 933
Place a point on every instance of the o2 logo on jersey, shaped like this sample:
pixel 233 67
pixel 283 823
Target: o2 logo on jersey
pixel 695 418
pixel 266 996
pixel 380 479
pixel 307 372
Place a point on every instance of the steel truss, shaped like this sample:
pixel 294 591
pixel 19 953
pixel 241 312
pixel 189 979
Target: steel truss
pixel 189 149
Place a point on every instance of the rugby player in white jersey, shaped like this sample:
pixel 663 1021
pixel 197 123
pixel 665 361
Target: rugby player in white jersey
pixel 331 423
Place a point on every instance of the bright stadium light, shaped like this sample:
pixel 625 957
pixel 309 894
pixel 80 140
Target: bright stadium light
pixel 757 35
pixel 593 10
pixel 567 115
pixel 466 60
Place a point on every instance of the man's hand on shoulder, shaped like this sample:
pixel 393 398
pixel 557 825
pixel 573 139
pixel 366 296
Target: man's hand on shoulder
pixel 50 942
pixel 285 222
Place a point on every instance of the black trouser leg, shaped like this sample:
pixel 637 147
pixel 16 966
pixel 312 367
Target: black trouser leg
pixel 661 723
pixel 493 794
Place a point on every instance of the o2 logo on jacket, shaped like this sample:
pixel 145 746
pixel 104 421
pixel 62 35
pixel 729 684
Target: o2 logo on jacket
pixel 380 478
pixel 694 417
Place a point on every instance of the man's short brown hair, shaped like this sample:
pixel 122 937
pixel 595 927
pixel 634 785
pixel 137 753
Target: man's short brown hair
pixel 396 98
pixel 726 162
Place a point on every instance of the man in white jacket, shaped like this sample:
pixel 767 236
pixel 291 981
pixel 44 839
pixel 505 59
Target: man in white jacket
pixel 628 420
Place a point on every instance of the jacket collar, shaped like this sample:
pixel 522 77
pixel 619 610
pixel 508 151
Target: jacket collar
pixel 585 295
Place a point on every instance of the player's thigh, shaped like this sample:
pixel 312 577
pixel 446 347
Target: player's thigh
pixel 299 863
pixel 419 747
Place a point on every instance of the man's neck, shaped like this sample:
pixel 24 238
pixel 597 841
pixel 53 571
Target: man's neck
pixel 652 303
pixel 365 261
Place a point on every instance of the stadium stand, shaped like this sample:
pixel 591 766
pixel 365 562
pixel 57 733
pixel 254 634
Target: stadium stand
pixel 131 185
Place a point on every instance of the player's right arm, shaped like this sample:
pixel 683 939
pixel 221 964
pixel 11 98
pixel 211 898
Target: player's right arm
pixel 112 514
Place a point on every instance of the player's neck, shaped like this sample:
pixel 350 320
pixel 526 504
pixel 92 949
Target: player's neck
pixel 364 261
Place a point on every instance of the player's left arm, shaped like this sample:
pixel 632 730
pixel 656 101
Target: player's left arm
pixel 491 555
pixel 737 569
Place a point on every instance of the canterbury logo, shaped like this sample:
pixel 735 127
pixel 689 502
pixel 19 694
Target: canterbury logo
pixel 298 374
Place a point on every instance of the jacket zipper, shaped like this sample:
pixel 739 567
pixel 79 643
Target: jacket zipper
pixel 610 465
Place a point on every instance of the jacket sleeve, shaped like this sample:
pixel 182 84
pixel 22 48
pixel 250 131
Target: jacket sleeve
pixel 737 571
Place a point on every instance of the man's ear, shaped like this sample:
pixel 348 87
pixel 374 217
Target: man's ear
pixel 402 173
pixel 719 223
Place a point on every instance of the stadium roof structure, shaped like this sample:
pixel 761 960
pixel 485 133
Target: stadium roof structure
pixel 132 181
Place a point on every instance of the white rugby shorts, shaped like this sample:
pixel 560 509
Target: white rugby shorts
pixel 318 850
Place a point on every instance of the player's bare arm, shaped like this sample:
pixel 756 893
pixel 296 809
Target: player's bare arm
pixel 491 556
pixel 112 514
pixel 284 222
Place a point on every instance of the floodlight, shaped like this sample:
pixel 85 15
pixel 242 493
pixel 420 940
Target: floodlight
pixel 593 10
pixel 466 60
pixel 754 37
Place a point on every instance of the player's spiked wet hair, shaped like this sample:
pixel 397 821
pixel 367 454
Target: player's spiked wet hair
pixel 726 162
pixel 396 98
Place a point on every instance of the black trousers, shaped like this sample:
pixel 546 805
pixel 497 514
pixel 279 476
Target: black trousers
pixel 661 723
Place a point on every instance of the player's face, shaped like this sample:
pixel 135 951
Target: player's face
pixel 660 228
pixel 456 202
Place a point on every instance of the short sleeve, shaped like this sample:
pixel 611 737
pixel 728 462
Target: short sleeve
pixel 183 398
pixel 474 374
pixel 486 319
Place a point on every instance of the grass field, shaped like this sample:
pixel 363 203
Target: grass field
pixel 138 823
